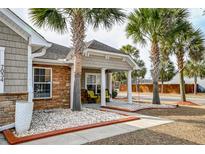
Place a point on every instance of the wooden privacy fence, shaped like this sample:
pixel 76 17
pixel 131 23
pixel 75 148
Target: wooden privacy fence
pixel 168 88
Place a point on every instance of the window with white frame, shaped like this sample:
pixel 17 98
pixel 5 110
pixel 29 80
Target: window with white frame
pixel 42 82
pixel 92 82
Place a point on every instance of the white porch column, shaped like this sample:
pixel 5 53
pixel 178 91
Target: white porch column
pixel 129 86
pixel 103 85
pixel 71 86
pixel 30 75
pixel 110 85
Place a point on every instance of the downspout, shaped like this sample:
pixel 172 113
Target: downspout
pixel 39 54
pixel 30 80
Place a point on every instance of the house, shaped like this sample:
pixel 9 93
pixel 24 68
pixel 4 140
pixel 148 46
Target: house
pixel 172 86
pixel 189 81
pixel 33 69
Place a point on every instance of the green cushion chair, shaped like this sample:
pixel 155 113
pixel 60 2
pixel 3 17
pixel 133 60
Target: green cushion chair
pixel 107 95
pixel 92 97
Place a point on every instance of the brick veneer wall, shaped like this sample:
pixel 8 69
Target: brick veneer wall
pixel 60 88
pixel 7 106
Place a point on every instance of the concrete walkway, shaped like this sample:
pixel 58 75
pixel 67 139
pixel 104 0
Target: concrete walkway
pixel 85 136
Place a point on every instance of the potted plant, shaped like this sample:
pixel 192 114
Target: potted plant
pixel 23 116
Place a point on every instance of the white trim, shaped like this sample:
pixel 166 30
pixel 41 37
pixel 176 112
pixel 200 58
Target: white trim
pixel 35 38
pixel 117 55
pixel 129 86
pixel 60 61
pixel 103 85
pixel 86 75
pixel 2 50
pixel 17 29
pixel 30 75
pixel 51 83
pixel 6 127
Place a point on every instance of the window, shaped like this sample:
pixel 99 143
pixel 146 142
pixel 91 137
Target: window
pixel 42 82
pixel 92 82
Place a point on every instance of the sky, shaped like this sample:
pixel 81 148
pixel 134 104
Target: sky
pixel 116 37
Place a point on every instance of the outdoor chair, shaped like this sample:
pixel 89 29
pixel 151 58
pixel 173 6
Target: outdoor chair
pixel 84 96
pixel 107 95
pixel 92 97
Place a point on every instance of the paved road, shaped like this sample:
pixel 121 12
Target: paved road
pixel 200 101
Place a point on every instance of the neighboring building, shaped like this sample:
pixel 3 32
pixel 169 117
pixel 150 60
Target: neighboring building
pixel 171 86
pixel 33 69
pixel 190 81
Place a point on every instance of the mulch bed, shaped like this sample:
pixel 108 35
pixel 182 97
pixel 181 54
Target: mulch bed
pixel 187 103
pixel 12 139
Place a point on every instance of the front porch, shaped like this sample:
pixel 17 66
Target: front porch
pixel 99 81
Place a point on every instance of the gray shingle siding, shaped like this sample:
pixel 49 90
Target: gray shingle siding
pixel 100 62
pixel 15 60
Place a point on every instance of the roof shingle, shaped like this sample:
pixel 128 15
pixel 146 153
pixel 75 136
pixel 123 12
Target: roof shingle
pixel 94 44
pixel 57 51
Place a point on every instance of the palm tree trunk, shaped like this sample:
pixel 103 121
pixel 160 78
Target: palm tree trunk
pixel 195 84
pixel 162 82
pixel 155 71
pixel 180 62
pixel 182 86
pixel 162 87
pixel 78 35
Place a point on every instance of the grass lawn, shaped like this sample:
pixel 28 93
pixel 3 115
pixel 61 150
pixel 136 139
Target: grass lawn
pixel 188 128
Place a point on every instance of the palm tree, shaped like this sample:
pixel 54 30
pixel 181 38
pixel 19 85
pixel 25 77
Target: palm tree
pixel 119 76
pixel 185 41
pixel 57 19
pixel 167 71
pixel 149 25
pixel 129 49
pixel 195 69
pixel 134 53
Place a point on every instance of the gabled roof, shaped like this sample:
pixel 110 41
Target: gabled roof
pixel 56 52
pixel 22 28
pixel 96 45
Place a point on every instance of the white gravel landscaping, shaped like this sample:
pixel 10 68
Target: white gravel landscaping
pixel 137 106
pixel 55 119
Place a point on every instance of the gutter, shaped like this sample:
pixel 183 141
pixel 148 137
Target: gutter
pixel 39 54
pixel 51 61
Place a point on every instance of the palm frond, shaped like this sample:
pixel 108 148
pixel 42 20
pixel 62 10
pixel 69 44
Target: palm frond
pixel 49 17
pixel 104 17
